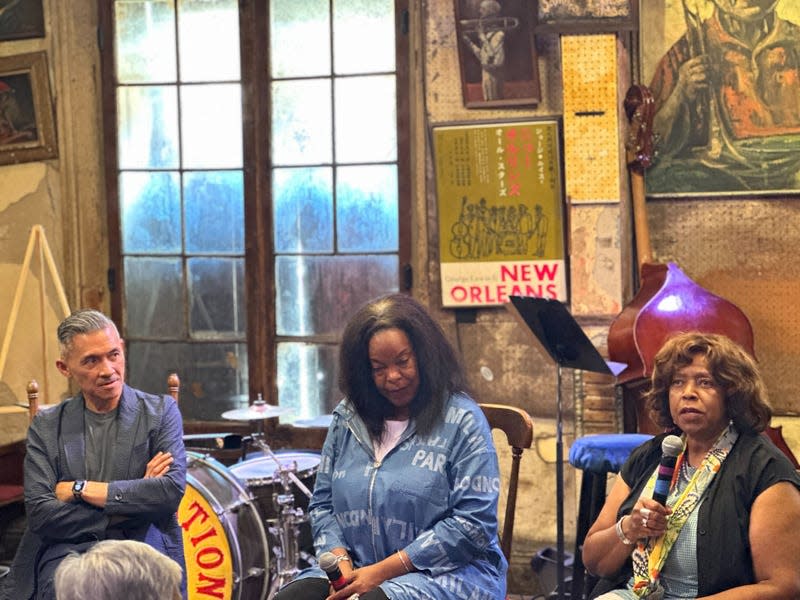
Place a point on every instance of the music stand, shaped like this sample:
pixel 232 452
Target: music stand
pixel 567 344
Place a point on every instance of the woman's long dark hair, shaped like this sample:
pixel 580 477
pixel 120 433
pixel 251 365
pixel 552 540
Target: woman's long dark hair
pixel 734 370
pixel 439 368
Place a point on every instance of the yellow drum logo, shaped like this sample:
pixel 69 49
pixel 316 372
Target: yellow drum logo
pixel 209 570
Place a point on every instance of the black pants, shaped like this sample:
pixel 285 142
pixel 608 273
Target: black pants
pixel 316 588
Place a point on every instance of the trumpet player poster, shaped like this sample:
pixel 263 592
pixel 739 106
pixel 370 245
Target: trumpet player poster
pixel 496 53
pixel 725 79
pixel 501 221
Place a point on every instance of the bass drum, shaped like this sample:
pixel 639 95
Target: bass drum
pixel 224 543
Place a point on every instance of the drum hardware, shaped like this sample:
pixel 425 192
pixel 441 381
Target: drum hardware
pixel 285 527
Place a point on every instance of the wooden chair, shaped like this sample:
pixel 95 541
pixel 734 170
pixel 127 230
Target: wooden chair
pixel 11 478
pixel 12 457
pixel 518 427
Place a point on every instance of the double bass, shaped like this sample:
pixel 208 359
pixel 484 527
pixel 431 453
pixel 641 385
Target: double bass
pixel 668 301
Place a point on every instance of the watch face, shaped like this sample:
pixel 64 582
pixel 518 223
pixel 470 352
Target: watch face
pixel 78 486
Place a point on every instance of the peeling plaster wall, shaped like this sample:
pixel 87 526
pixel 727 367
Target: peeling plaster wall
pixel 27 325
pixel 64 196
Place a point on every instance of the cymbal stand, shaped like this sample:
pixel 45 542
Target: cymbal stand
pixel 286 528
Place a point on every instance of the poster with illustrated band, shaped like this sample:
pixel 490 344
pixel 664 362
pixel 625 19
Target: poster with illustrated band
pixel 501 215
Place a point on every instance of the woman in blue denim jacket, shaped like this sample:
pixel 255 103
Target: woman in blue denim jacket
pixel 406 494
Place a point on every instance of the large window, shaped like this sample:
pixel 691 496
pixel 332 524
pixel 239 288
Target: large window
pixel 255 167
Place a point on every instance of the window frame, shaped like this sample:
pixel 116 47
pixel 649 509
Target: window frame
pixel 261 337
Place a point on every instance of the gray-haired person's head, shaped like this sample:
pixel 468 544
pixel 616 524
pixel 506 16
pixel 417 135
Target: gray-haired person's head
pixel 85 320
pixel 117 569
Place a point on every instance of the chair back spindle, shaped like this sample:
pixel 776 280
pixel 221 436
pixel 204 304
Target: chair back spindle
pixel 174 385
pixel 33 398
pixel 518 428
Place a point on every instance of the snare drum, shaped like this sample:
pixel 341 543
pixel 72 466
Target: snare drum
pixel 258 473
pixel 224 543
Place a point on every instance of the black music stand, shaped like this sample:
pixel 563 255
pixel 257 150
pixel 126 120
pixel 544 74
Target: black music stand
pixel 564 340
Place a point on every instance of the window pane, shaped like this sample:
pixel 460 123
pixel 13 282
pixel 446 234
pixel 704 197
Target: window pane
pixel 211 126
pixel 148 127
pixel 209 39
pixel 153 297
pixel 214 211
pixel 307 379
pixel 317 294
pixel 366 213
pixel 217 302
pixel 301 122
pixel 366 119
pixel 150 212
pixel 213 376
pixel 303 201
pixel 360 25
pixel 300 44
pixel 145 42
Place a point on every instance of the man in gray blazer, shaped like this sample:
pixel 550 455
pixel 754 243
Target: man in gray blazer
pixel 108 463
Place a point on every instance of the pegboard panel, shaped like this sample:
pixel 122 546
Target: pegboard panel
pixel 591 124
pixel 745 251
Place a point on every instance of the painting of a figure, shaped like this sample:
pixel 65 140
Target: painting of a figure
pixel 27 131
pixel 496 53
pixel 725 77
pixel 17 119
pixel 21 19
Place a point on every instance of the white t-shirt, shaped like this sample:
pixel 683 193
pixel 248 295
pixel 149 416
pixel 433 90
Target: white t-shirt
pixel 392 430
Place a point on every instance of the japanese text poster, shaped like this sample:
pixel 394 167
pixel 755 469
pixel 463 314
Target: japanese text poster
pixel 501 231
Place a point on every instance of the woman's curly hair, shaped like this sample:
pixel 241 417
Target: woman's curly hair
pixel 733 369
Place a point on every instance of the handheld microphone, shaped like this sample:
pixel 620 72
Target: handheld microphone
pixel 671 447
pixel 329 563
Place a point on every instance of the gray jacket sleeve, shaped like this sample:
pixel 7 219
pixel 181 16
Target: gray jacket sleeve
pixel 48 517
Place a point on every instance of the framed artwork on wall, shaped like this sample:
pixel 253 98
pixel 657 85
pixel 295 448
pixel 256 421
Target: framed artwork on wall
pixel 580 16
pixel 499 189
pixel 20 19
pixel 725 83
pixel 496 53
pixel 27 131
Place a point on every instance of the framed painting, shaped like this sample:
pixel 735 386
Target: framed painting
pixel 580 16
pixel 725 82
pixel 496 53
pixel 27 131
pixel 499 189
pixel 20 19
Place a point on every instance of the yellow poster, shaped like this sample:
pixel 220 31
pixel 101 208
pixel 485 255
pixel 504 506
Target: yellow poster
pixel 501 225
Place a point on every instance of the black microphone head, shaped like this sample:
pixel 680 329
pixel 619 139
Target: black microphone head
pixel 672 445
pixel 328 562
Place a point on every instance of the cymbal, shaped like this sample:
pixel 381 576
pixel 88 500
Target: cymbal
pixel 255 412
pixel 319 421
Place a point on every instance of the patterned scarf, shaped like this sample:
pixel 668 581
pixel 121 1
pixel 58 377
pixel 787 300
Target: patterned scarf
pixel 650 553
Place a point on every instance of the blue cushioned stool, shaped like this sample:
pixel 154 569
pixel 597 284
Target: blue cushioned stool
pixel 597 456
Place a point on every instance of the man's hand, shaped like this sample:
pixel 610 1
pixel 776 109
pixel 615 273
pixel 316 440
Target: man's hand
pixel 158 465
pixel 64 491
